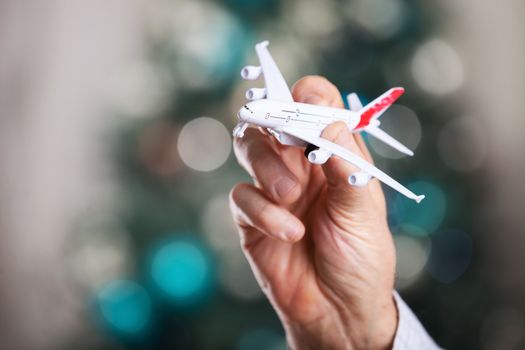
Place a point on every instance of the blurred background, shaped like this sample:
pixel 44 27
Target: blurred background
pixel 115 164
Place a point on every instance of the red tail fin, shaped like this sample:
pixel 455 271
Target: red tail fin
pixel 378 106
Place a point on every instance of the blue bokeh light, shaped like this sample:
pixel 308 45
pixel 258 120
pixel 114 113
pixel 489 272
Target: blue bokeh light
pixel 125 306
pixel 181 269
pixel 426 216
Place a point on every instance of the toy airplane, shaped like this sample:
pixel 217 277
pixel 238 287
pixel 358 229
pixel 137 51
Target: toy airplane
pixel 301 124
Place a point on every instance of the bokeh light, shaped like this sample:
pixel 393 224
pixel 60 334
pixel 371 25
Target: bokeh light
pixel 98 253
pixel 437 67
pixel 181 269
pixel 462 144
pixel 234 273
pixel 425 216
pixel 450 256
pixel 401 123
pixel 327 20
pixel 204 144
pixel 125 306
pixel 208 49
pixel 382 18
pixel 412 255
pixel 262 339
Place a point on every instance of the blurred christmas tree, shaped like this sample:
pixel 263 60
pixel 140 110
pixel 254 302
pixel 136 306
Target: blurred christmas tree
pixel 175 167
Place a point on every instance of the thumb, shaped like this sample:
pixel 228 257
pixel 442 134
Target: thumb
pixel 337 170
pixel 318 90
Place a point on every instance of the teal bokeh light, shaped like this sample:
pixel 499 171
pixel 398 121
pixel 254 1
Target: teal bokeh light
pixel 125 306
pixel 425 217
pixel 181 269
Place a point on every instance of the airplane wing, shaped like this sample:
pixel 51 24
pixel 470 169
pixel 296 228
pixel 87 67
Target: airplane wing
pixel 276 87
pixel 389 140
pixel 359 162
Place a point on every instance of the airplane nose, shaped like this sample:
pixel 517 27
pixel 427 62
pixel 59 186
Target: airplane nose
pixel 243 114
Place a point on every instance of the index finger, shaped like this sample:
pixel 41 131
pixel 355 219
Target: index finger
pixel 260 159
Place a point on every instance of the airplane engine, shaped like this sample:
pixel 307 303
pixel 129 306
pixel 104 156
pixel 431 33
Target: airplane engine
pixel 251 72
pixel 319 156
pixel 255 93
pixel 359 179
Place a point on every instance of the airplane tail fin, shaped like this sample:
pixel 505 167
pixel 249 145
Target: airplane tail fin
pixel 372 111
pixel 377 107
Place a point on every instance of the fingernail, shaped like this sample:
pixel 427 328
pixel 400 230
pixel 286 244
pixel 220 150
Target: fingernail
pixel 291 230
pixel 313 99
pixel 283 186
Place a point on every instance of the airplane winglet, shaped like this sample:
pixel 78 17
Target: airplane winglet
pixel 419 198
pixel 389 140
pixel 263 44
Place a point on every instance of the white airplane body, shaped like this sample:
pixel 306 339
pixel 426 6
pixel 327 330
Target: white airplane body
pixel 301 124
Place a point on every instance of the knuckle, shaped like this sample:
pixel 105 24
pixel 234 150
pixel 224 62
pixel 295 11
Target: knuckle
pixel 311 80
pixel 320 86
pixel 236 193
pixel 334 130
pixel 314 83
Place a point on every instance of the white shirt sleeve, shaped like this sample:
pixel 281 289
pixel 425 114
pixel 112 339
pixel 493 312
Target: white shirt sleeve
pixel 410 334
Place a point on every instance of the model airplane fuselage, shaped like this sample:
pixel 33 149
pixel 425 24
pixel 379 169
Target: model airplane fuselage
pixel 275 114
pixel 301 124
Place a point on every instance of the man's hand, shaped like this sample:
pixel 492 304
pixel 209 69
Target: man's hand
pixel 321 250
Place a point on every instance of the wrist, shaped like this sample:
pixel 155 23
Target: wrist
pixel 376 330
pixel 373 329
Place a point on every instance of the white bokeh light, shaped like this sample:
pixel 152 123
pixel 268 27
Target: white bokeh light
pixel 327 19
pixel 382 18
pixel 201 37
pixel 401 123
pixel 98 255
pixel 204 144
pixel 437 67
pixel 412 255
pixel 462 144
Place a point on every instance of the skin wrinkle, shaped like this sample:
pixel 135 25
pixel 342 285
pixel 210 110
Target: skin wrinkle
pixel 342 303
pixel 356 275
pixel 318 321
pixel 337 299
pixel 333 296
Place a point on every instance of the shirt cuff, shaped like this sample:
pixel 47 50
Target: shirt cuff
pixel 410 334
